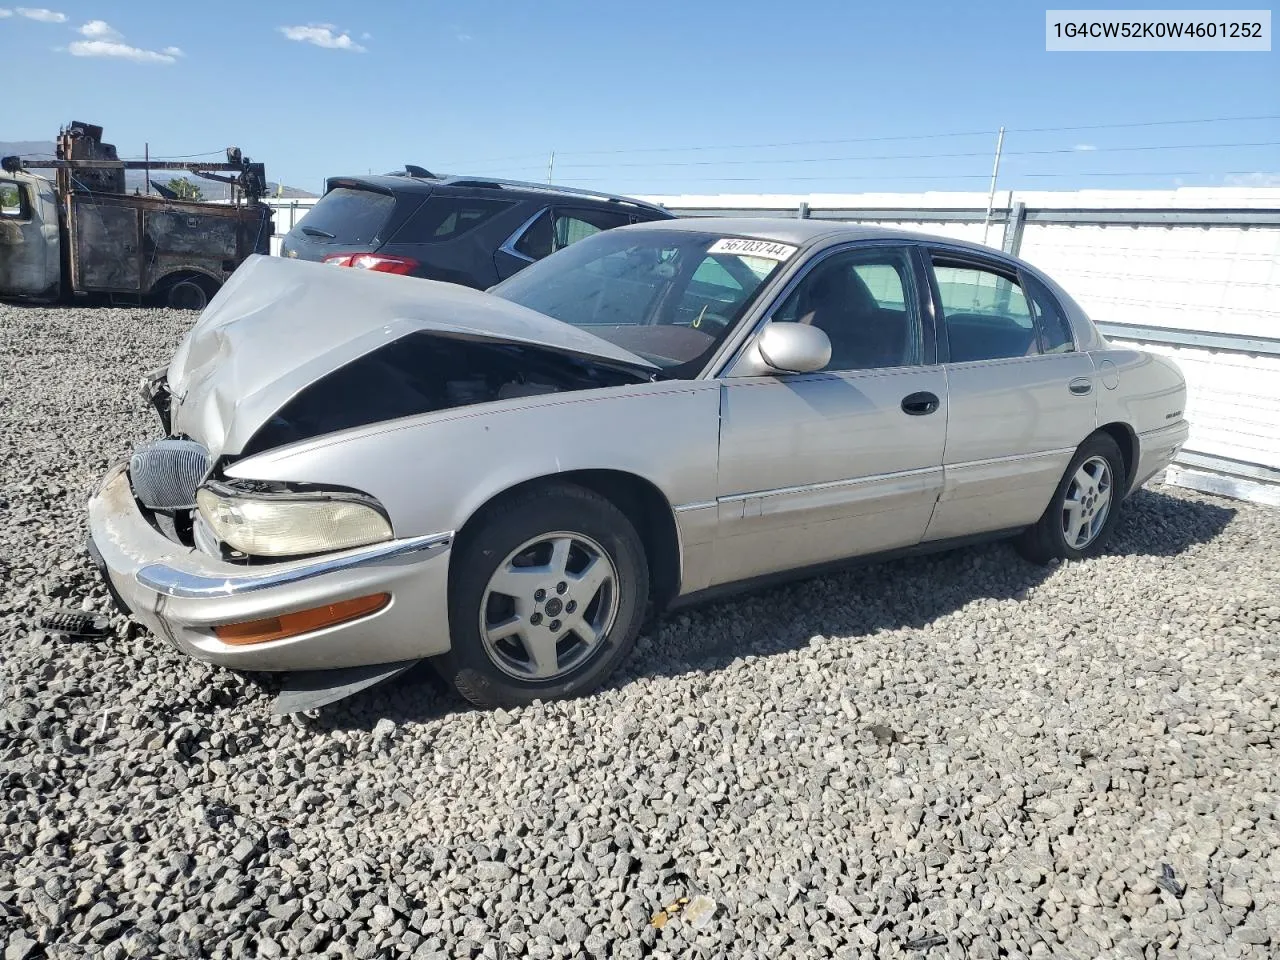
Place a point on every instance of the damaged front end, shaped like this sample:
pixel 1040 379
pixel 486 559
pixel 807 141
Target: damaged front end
pixel 183 486
pixel 154 390
pixel 290 351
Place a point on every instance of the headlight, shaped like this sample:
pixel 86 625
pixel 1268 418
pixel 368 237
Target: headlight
pixel 286 525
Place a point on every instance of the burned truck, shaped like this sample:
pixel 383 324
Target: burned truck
pixel 82 234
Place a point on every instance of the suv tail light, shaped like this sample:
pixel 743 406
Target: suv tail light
pixel 380 262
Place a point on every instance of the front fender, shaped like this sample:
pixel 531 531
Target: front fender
pixel 432 472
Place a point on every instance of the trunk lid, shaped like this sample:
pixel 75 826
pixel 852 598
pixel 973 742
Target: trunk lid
pixel 279 325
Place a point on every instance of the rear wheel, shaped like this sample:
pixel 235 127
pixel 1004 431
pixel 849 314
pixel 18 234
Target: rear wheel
pixel 547 598
pixel 190 293
pixel 1085 507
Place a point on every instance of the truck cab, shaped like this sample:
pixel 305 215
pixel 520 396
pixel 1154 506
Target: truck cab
pixel 30 251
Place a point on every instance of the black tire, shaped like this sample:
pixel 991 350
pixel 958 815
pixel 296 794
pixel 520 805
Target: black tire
pixel 1046 540
pixel 189 293
pixel 469 666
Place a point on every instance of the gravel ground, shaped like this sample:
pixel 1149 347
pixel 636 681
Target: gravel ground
pixel 961 756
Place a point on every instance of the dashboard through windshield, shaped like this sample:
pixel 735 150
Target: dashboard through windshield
pixel 670 296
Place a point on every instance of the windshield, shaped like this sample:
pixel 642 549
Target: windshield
pixel 670 296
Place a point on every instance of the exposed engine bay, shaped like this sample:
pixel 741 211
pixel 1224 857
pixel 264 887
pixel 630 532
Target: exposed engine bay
pixel 423 372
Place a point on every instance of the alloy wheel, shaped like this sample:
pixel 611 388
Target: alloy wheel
pixel 548 606
pixel 1087 503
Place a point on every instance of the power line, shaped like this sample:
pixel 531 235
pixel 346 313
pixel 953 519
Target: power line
pixel 180 156
pixel 920 156
pixel 887 139
pixel 940 176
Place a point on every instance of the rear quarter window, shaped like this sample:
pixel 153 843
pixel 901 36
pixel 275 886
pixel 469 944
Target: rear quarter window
pixel 444 218
pixel 347 215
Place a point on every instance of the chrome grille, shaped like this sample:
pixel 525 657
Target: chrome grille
pixel 165 474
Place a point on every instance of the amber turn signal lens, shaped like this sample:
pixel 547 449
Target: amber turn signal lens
pixel 304 621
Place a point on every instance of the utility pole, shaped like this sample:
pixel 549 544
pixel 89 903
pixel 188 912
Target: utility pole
pixel 146 153
pixel 551 166
pixel 991 194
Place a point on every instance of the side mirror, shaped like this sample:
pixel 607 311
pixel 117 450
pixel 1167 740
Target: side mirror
pixel 786 348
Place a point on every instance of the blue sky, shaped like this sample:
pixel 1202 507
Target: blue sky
pixel 617 90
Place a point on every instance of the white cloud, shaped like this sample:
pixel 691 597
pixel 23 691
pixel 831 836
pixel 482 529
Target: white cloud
pixel 1256 179
pixel 5 13
pixel 105 40
pixel 42 14
pixel 323 35
pixel 99 30
pixel 1084 147
pixel 117 50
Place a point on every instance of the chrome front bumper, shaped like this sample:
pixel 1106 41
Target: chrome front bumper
pixel 181 594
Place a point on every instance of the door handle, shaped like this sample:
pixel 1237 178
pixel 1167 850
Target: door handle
pixel 918 404
pixel 1081 386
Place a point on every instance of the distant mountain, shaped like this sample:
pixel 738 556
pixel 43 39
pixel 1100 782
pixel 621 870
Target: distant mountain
pixel 137 179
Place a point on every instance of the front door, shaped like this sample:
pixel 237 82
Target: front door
pixel 847 461
pixel 1022 398
pixel 29 261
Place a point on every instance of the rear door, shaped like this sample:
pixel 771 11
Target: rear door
pixel 1022 396
pixel 552 229
pixel 450 237
pixel 846 461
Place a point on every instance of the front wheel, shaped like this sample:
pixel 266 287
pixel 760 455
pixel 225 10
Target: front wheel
pixel 547 598
pixel 1084 509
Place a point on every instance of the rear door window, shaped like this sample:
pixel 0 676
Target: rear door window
pixel 1055 330
pixel 445 218
pixel 347 215
pixel 986 313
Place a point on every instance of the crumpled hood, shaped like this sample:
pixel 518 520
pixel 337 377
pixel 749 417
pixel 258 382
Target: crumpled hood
pixel 279 324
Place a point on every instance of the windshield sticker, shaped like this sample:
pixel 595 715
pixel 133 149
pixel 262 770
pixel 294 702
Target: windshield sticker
pixel 753 248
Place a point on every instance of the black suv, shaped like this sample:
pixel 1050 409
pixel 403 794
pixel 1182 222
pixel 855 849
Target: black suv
pixel 464 230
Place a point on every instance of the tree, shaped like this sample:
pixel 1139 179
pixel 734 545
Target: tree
pixel 185 189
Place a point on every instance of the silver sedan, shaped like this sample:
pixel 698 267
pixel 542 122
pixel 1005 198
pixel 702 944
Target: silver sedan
pixel 363 471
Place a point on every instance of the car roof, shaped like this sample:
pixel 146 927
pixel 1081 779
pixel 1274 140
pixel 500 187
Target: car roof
pixel 408 183
pixel 803 232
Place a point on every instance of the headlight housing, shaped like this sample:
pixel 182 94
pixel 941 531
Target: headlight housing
pixel 290 524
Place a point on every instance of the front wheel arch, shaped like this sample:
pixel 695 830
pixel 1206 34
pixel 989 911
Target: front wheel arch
pixel 639 499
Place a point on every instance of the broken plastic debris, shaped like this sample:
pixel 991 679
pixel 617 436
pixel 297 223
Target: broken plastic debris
pixel 75 624
pixel 660 918
pixel 1169 882
pixel 696 911
pixel 699 911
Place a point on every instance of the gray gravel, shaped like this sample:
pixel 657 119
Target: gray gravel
pixel 962 756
